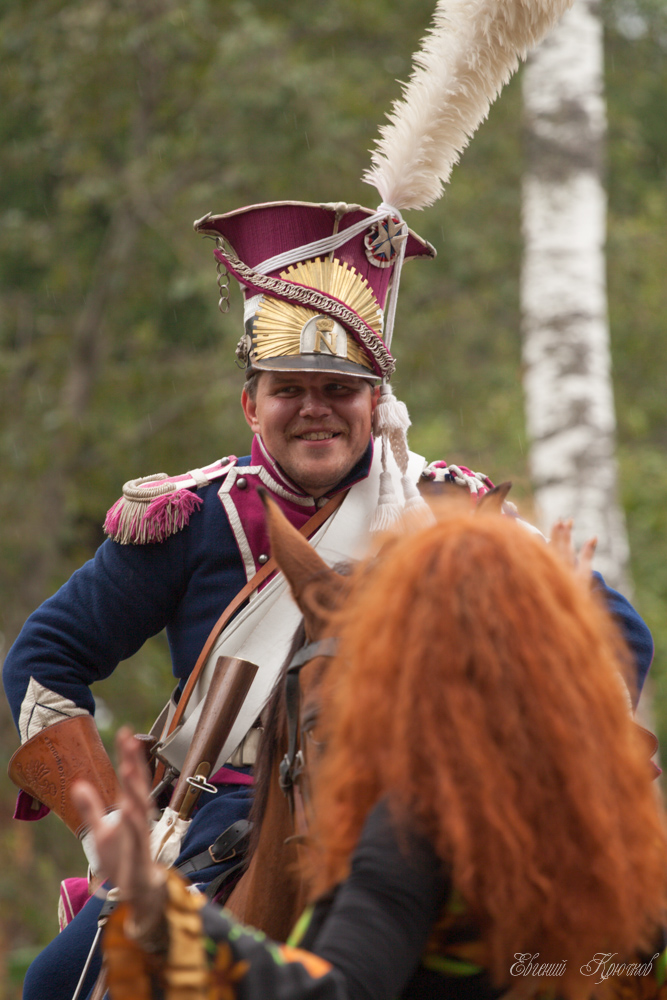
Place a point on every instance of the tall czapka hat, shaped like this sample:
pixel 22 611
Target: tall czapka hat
pixel 320 282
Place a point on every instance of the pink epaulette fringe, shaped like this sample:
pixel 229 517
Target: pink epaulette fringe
pixel 137 522
pixel 155 507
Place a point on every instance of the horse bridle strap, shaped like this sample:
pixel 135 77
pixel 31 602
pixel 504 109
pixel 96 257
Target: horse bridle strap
pixel 321 647
pixel 292 762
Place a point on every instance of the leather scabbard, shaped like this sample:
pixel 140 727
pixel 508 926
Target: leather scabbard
pixel 47 766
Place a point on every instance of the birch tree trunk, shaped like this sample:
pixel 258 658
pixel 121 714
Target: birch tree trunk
pixel 567 380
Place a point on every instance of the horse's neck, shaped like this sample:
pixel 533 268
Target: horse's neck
pixel 271 894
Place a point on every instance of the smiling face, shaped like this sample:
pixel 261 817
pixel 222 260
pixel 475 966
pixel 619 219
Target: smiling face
pixel 316 425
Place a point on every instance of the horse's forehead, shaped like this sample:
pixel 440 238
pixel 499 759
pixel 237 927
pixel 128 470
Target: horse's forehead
pixel 311 677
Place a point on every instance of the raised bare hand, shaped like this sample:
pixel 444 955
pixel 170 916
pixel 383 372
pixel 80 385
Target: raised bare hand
pixel 562 543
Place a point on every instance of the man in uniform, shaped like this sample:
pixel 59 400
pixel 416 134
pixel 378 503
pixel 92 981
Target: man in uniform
pixel 182 548
pixel 315 281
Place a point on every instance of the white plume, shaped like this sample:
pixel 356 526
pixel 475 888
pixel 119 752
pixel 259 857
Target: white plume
pixel 466 58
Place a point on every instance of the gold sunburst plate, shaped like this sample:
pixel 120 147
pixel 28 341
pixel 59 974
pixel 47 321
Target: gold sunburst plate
pixel 283 330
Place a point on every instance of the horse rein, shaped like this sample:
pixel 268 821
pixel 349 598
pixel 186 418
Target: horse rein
pixel 293 763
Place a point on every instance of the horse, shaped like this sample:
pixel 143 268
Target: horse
pixel 272 892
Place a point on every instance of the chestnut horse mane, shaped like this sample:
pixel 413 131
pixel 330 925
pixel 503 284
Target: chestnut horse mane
pixel 478 689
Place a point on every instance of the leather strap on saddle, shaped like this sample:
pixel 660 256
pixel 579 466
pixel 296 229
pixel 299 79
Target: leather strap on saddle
pixel 232 843
pixel 49 763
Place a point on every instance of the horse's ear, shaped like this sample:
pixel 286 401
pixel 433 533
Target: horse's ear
pixel 297 559
pixel 492 502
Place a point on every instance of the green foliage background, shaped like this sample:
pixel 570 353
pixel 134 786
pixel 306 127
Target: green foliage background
pixel 120 123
